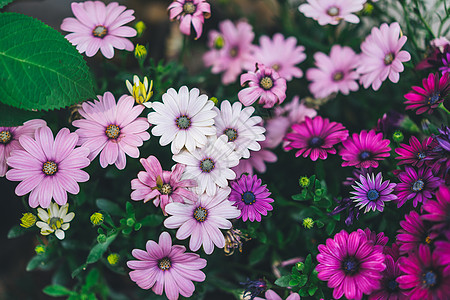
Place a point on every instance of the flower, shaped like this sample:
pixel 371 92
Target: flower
pixel 47 167
pixel 97 26
pixel 162 186
pixel 364 150
pixel 230 50
pixel 371 192
pixel 414 232
pixel 415 153
pixel 389 286
pixel 334 73
pixel 112 129
pixel 9 140
pixel 281 55
pixel 381 56
pixel 445 68
pixel 166 267
pixel 210 165
pixel 240 128
pixel 113 259
pixel 315 137
pixel 97 218
pixel 265 84
pixel 184 119
pixel 253 288
pixel 234 239
pixel 416 185
pixel 140 28
pixel 344 204
pixel 257 161
pixel 438 211
pixel 28 220
pixel 346 261
pixel 377 239
pixel 332 11
pixel 202 220
pixel 190 12
pixel 40 249
pixel 140 91
pixel 271 295
pixel 440 152
pixel 251 197
pixel 140 52
pixel 424 276
pixel 55 220
pixel 308 223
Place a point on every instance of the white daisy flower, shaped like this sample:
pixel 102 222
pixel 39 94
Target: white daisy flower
pixel 55 219
pixel 240 127
pixel 184 119
pixel 210 165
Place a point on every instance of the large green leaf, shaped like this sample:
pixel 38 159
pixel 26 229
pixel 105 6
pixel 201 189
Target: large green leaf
pixel 40 69
pixel 5 2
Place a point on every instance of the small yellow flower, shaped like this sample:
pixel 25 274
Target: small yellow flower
pixel 39 249
pixel 367 9
pixel 140 28
pixel 219 42
pixel 97 218
pixel 215 100
pixel 304 181
pixel 398 136
pixel 308 223
pixel 140 52
pixel 141 91
pixel 27 220
pixel 113 259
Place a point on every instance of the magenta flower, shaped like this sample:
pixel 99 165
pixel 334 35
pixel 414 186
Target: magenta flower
pixel 378 239
pixel 164 267
pixel 281 55
pixel 251 197
pixel 97 26
pixel 334 73
pixel 48 168
pixel 348 260
pixel 315 137
pixel 265 84
pixel 190 12
pixel 332 11
pixel 424 277
pixel 389 286
pixel 271 295
pixel 442 251
pixel 435 90
pixel 415 153
pixel 257 161
pixel 9 140
pixel 381 56
pixel 163 187
pixel 364 150
pixel 438 211
pixel 111 129
pixel 414 232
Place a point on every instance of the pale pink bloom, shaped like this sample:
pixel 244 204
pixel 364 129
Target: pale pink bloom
pixel 281 55
pixel 381 56
pixel 164 267
pixel 332 11
pixel 190 12
pixel 47 167
pixel 97 26
pixel 203 220
pixel 271 295
pixel 334 73
pixel 257 161
pixel 440 43
pixel 9 140
pixel 111 129
pixel 230 50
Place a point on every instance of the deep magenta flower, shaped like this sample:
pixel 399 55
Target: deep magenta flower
pixel 415 153
pixel 414 232
pixel 378 239
pixel 47 167
pixel 364 150
pixel 250 197
pixel 435 91
pixel 347 261
pixel 190 13
pixel 164 267
pixel 389 286
pixel 371 192
pixel 315 137
pixel 440 152
pixel 438 211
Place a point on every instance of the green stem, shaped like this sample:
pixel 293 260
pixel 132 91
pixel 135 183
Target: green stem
pixel 422 19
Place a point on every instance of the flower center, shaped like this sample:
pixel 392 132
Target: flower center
pixel 365 155
pixel 207 165
pixel 231 134
pixel 428 240
pixel 350 266
pixel 429 279
pixel 248 198
pixel 333 11
pixel 388 58
pixel 434 98
pixel 421 155
pixel 164 264
pixel 189 8
pixel 183 122
pixel 200 214
pixel 166 189
pixel 373 195
pixel 50 168
pixel 55 222
pixel 100 31
pixel 112 131
pixel 5 137
pixel 338 76
pixel 418 185
pixel 276 67
pixel 234 51
pixel 392 285
pixel 316 142
pixel 266 83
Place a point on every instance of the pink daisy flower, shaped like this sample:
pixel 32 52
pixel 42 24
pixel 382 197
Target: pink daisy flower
pixel 164 267
pixel 112 129
pixel 414 232
pixel 346 261
pixel 381 56
pixel 334 73
pixel 271 295
pixel 389 286
pixel 438 211
pixel 203 220
pixel 415 153
pixel 265 84
pixel 281 55
pixel 364 150
pixel 332 11
pixel 257 161
pixel 97 26
pixel 9 140
pixel 190 12
pixel 48 168
pixel 162 186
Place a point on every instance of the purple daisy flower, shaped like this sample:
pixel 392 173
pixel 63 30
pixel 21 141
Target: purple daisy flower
pixel 416 185
pixel 438 211
pixel 440 153
pixel 251 197
pixel 389 286
pixel 445 69
pixel 190 12
pixel 415 153
pixel 371 192
pixel 377 239
pixel 414 232
pixel 344 204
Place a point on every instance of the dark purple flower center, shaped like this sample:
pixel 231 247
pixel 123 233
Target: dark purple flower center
pixel 166 189
pixel 429 279
pixel 373 195
pixel 365 155
pixel 338 76
pixel 418 185
pixel 49 168
pixel 183 122
pixel 432 99
pixel 189 7
pixel 315 142
pixel 421 155
pixel 207 165
pixel 231 134
pixel 350 266
pixel 5 137
pixel 333 11
pixel 200 214
pixel 266 83
pixel 100 31
pixel 112 131
pixel 392 285
pixel 164 264
pixel 388 59
pixel 234 51
pixel 248 197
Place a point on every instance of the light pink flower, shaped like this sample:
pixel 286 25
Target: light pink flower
pixel 47 167
pixel 334 73
pixel 9 140
pixel 440 43
pixel 190 12
pixel 381 56
pixel 166 267
pixel 112 129
pixel 230 50
pixel 97 26
pixel 271 295
pixel 332 11
pixel 256 161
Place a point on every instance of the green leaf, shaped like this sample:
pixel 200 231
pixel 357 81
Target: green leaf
pixel 3 3
pixel 293 282
pixel 312 290
pixel 97 251
pixel 283 281
pixel 92 278
pixel 308 264
pixel 258 254
pixel 36 261
pixel 41 70
pixel 10 116
pixel 78 270
pixel 16 231
pixel 130 209
pixel 109 206
pixel 303 292
pixel 152 220
pixel 330 227
pixel 57 291
pixel 303 280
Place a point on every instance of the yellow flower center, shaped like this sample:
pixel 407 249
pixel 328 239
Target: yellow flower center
pixel 55 222
pixel 166 189
pixel 200 214
pixel 388 59
pixel 164 264
pixel 50 168
pixel 266 83
pixel 100 31
pixel 5 137
pixel 112 131
pixel 189 8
